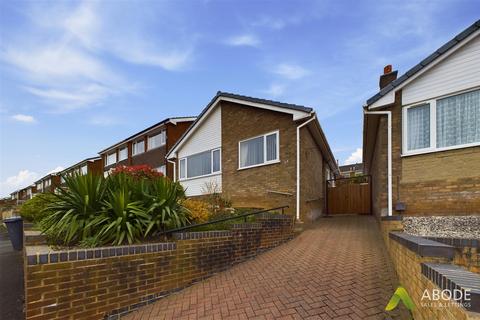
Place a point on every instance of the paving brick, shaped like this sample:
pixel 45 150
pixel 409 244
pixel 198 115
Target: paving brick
pixel 337 269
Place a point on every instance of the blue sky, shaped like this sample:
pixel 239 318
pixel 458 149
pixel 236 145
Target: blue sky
pixel 75 77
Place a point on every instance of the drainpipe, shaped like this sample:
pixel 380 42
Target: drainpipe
pixel 298 164
pixel 389 153
pixel 174 170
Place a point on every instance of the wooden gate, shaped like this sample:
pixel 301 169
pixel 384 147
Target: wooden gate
pixel 349 195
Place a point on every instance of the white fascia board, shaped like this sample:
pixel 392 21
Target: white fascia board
pixel 177 120
pixel 296 114
pixel 390 96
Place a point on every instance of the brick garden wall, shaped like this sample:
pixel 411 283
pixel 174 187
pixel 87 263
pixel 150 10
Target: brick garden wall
pixel 94 283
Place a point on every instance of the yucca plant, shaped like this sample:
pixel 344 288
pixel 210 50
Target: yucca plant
pixel 73 207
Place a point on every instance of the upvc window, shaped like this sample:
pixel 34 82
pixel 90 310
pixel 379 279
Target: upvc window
pixel 259 150
pixel 123 154
pixel 162 169
pixel 111 159
pixel 48 182
pixel 138 147
pixel 200 164
pixel 39 186
pixel 84 170
pixel 447 123
pixel 157 140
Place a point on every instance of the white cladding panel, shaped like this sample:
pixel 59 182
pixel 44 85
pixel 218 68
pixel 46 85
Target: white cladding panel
pixel 197 186
pixel 207 136
pixel 459 71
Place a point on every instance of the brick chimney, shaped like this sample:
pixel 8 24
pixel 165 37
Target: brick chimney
pixel 387 76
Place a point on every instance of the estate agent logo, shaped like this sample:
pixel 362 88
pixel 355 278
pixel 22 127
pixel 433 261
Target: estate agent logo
pixel 400 295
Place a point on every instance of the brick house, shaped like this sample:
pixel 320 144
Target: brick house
pixel 147 147
pixel 24 194
pixel 247 149
pixel 351 170
pixel 90 165
pixel 48 183
pixel 434 110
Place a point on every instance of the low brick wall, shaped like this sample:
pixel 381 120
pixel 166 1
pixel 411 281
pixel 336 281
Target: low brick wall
pixel 408 259
pixel 111 281
pixel 467 252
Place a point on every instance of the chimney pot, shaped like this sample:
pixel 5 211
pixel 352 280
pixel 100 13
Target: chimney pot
pixel 387 69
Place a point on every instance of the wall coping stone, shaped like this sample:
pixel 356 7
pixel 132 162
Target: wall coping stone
pixel 457 242
pixel 450 277
pixel 423 247
pixel 201 234
pixel 392 218
pixel 44 254
pixel 247 226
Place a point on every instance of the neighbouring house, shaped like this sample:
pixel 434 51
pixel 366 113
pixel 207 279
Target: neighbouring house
pixel 256 153
pixel 351 170
pixel 24 194
pixel 48 183
pixel 147 147
pixel 92 165
pixel 421 133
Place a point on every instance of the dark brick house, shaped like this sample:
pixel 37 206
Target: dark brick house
pixel 147 147
pixel 257 153
pixel 92 165
pixel 48 183
pixel 351 170
pixel 421 133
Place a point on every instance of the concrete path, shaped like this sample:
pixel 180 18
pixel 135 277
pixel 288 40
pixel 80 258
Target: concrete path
pixel 338 269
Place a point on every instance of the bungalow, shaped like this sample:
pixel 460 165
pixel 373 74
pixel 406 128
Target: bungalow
pixel 89 165
pixel 147 147
pixel 421 133
pixel 257 153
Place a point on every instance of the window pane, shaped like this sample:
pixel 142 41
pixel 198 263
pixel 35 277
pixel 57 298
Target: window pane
pixel 123 154
pixel 182 168
pixel 418 127
pixel 84 170
pixel 458 119
pixel 161 169
pixel 199 164
pixel 156 140
pixel 139 147
pixel 272 147
pixel 111 158
pixel 251 152
pixel 216 160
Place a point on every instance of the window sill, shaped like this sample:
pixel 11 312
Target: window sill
pixel 471 145
pixel 199 177
pixel 259 165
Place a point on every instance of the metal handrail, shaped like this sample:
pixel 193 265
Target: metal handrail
pixel 245 215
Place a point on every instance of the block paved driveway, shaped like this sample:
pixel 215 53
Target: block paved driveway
pixel 337 269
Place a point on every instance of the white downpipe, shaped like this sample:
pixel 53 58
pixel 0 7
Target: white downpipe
pixel 389 155
pixel 297 209
pixel 174 170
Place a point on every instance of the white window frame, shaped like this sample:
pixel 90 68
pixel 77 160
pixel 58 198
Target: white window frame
pixel 433 127
pixel 162 169
pixel 120 152
pixel 134 153
pixel 162 143
pixel 106 159
pixel 265 162
pixel 204 175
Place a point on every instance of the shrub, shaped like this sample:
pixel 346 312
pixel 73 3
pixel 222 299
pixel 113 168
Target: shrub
pixel 199 210
pixel 33 210
pixel 121 208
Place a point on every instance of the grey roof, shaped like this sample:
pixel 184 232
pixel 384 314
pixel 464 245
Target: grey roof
pixel 240 97
pixel 81 162
pixel 425 62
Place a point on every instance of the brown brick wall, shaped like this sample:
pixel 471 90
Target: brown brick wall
pixel 94 283
pixel 446 182
pixel 253 187
pixel 95 167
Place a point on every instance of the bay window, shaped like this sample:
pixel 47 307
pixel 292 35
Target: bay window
pixel 259 150
pixel 138 147
pixel 447 123
pixel 200 164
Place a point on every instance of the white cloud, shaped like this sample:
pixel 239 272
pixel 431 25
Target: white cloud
pixel 22 179
pixel 244 40
pixel 275 90
pixel 24 118
pixel 57 169
pixel 355 157
pixel 291 71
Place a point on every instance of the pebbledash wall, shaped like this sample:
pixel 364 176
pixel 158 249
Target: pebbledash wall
pixel 108 282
